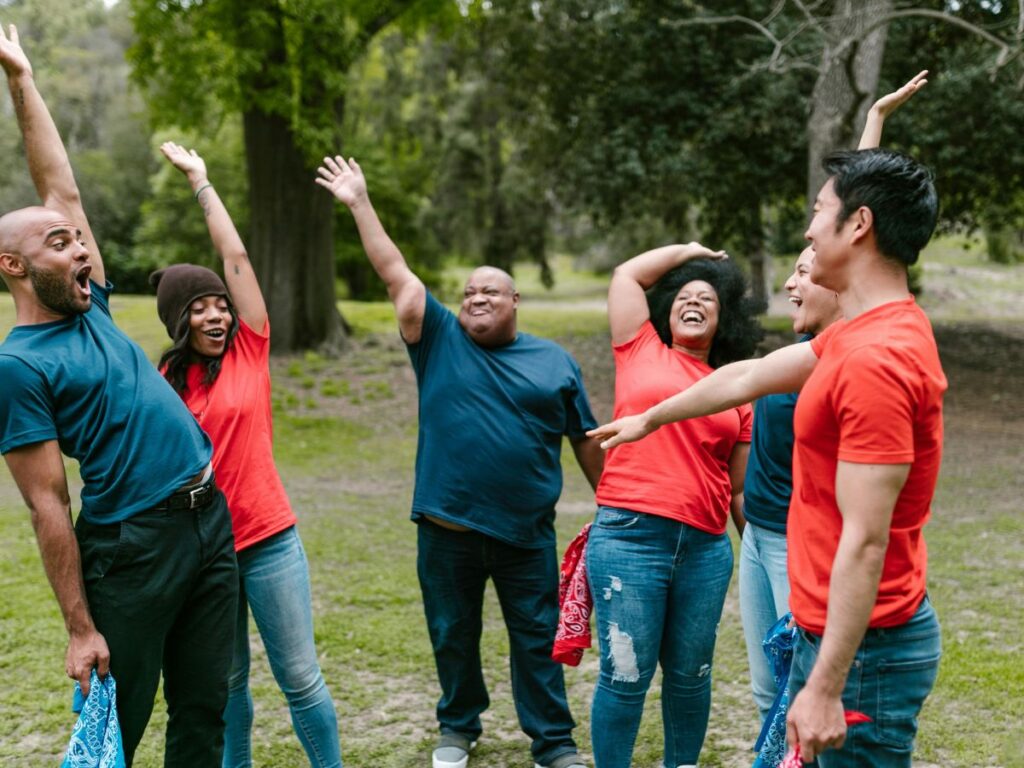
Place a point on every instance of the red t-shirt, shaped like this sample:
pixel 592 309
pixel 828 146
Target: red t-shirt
pixel 235 413
pixel 875 397
pixel 680 471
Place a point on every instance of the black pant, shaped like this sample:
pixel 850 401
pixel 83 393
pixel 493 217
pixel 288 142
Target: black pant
pixel 453 569
pixel 163 590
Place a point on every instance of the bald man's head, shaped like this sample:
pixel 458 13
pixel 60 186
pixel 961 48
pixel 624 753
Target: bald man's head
pixel 14 225
pixel 42 260
pixel 489 302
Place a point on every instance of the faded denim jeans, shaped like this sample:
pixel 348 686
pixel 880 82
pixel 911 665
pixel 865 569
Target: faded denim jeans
pixel 659 586
pixel 764 599
pixel 274 578
pixel 892 674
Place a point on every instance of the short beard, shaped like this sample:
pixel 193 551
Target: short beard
pixel 56 294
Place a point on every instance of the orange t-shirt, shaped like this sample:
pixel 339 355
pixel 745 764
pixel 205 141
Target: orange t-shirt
pixel 235 413
pixel 875 397
pixel 680 471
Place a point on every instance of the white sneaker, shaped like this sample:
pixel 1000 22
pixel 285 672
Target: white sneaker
pixel 452 751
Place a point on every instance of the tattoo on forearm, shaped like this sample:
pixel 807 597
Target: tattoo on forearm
pixel 237 270
pixel 204 203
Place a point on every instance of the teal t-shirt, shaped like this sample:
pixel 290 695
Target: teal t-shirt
pixel 83 382
pixel 491 427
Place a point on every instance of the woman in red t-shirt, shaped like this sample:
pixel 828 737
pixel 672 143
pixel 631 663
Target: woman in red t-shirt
pixel 219 364
pixel 658 558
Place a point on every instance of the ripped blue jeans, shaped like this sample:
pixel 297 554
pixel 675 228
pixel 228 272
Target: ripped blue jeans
pixel 659 586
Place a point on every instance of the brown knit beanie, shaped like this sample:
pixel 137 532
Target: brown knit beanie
pixel 178 285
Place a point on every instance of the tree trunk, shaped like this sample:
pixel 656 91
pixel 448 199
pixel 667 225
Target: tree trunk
pixel 848 78
pixel 291 239
pixel 760 266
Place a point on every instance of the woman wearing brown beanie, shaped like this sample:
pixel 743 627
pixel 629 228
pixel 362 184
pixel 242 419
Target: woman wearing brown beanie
pixel 219 364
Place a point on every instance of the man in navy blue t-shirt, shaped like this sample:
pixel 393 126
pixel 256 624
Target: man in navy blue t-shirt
pixel 494 405
pixel 146 579
pixel 764 578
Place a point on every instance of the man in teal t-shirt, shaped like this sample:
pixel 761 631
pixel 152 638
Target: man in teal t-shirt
pixel 494 407
pixel 146 579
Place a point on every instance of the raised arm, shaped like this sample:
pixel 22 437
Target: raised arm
pixel 885 106
pixel 784 370
pixel 47 159
pixel 238 272
pixel 346 182
pixel 38 471
pixel 627 304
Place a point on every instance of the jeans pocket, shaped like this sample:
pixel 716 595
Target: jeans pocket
pixel 609 517
pixel 902 688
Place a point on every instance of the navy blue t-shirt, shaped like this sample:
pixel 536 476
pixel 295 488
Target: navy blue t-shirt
pixel 83 382
pixel 769 480
pixel 491 427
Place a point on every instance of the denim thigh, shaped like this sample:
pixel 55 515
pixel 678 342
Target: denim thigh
pixel 892 674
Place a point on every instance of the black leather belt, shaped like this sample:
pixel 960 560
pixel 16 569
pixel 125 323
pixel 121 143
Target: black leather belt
pixel 191 497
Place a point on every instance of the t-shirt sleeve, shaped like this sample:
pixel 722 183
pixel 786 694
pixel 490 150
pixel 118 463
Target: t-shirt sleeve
pixel 746 412
pixel 435 317
pixel 819 342
pixel 253 346
pixel 578 416
pixel 874 405
pixel 26 413
pixel 101 296
pixel 644 338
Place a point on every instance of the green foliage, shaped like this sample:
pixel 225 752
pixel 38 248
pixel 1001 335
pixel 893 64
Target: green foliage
pixel 77 54
pixel 966 125
pixel 172 228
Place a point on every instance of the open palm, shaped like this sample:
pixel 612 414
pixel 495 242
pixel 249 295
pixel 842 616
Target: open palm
pixel 345 180
pixel 185 160
pixel 12 58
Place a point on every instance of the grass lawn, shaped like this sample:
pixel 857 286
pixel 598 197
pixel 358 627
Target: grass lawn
pixel 345 445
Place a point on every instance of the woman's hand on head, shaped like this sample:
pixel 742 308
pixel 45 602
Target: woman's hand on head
pixel 694 250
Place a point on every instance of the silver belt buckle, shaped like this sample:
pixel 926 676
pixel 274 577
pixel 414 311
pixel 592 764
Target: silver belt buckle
pixel 193 496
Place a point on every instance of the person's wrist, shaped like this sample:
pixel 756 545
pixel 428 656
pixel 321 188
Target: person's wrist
pixel 825 684
pixel 649 421
pixel 197 180
pixel 15 74
pixel 359 201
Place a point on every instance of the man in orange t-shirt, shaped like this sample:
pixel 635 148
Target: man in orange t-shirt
pixel 868 446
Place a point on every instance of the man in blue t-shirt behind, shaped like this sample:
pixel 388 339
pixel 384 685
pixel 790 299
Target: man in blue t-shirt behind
pixel 146 579
pixel 493 405
pixel 764 578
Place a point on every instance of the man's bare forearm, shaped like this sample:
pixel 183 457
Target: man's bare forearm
pixel 725 388
pixel 47 159
pixel 62 563
pixel 385 258
pixel 853 587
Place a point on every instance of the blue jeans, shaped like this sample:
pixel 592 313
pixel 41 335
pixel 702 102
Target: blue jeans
pixel 659 586
pixel 892 674
pixel 275 585
pixel 453 567
pixel 764 599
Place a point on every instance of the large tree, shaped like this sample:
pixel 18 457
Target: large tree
pixel 283 65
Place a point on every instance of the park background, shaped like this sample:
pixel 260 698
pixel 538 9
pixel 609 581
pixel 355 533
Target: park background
pixel 554 139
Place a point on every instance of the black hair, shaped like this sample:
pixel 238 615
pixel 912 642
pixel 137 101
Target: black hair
pixel 179 356
pixel 899 191
pixel 738 332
